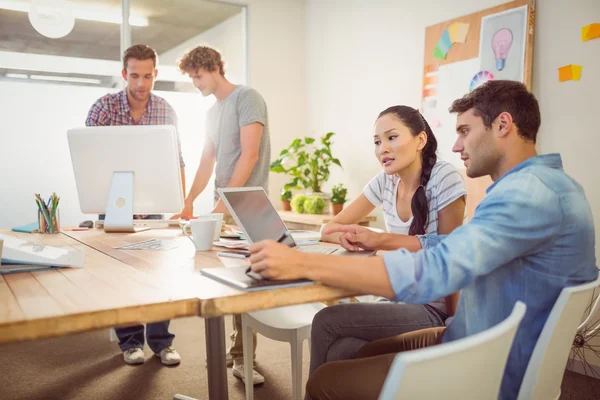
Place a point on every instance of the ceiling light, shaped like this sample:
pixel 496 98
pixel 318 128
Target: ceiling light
pixel 97 14
pixel 16 76
pixel 65 79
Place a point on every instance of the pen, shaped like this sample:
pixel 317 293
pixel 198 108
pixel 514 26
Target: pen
pixel 281 239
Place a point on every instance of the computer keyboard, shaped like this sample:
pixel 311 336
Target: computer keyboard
pixel 152 223
pixel 152 244
pixel 317 249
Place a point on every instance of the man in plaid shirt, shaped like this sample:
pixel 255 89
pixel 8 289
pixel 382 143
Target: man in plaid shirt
pixel 136 105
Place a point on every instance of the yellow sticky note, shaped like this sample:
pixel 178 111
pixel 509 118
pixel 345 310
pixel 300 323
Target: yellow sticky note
pixel 590 31
pixel 569 72
pixel 458 32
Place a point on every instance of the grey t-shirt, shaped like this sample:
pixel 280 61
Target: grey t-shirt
pixel 224 121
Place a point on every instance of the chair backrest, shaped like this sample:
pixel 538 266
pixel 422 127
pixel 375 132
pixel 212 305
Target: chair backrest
pixel 549 358
pixel 469 368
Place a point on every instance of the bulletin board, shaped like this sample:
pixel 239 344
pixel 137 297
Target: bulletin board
pixel 463 53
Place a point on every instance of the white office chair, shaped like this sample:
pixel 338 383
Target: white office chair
pixel 290 324
pixel 546 367
pixel 469 368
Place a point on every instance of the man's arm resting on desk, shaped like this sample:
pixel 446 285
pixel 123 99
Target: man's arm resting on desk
pixel 250 136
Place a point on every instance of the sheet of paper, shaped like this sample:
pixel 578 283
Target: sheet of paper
pixel 454 82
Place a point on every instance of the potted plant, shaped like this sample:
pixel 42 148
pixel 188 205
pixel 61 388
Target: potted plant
pixel 307 163
pixel 286 196
pixel 338 198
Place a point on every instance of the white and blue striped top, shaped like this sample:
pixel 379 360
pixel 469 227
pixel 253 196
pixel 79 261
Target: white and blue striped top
pixel 445 186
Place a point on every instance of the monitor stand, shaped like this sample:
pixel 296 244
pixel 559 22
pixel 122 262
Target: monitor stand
pixel 119 210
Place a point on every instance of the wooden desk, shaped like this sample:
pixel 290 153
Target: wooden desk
pixel 313 222
pixel 124 287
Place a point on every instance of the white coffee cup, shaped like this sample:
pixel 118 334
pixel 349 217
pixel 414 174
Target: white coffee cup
pixel 203 231
pixel 217 217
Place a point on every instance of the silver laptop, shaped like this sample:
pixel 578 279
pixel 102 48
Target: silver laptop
pixel 257 218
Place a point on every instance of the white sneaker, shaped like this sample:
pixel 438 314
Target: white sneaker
pixel 134 356
pixel 169 356
pixel 238 372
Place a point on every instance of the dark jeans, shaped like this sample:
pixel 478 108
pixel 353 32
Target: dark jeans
pixel 157 334
pixel 339 331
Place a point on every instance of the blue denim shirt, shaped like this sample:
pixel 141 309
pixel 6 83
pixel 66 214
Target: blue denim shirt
pixel 531 236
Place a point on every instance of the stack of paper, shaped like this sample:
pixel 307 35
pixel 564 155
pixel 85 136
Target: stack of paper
pixel 20 255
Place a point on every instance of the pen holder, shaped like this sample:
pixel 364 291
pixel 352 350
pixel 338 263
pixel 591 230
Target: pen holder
pixel 48 214
pixel 52 226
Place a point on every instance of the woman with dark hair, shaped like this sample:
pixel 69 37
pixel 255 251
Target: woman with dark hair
pixel 419 194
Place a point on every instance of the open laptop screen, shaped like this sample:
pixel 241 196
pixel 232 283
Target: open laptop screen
pixel 255 214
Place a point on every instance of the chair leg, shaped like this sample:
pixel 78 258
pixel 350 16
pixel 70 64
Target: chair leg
pixel 296 349
pixel 248 344
pixel 112 336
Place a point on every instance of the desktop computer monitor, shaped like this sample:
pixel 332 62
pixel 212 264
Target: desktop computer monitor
pixel 125 170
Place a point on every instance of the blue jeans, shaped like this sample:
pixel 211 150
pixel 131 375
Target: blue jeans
pixel 157 334
pixel 339 331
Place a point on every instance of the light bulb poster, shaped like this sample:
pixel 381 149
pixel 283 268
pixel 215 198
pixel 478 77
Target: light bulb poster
pixel 502 44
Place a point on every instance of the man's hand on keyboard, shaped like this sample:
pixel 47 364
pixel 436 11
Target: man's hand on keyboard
pixel 355 237
pixel 274 260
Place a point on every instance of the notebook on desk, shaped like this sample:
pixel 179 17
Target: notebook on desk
pixel 237 278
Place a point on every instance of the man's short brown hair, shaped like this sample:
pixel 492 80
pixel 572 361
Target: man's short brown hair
pixel 495 97
pixel 139 52
pixel 201 57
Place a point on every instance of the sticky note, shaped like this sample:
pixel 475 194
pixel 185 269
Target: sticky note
pixel 590 31
pixel 458 32
pixel 569 72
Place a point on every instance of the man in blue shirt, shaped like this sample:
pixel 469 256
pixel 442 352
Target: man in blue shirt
pixel 531 236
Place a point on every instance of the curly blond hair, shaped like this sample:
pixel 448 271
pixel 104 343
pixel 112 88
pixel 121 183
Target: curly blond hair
pixel 201 57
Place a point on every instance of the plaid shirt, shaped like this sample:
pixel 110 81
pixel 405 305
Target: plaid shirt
pixel 113 109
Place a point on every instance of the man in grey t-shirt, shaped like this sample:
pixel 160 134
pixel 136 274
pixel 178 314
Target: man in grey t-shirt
pixel 238 142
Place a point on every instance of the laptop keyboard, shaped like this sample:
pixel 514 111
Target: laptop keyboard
pixel 317 249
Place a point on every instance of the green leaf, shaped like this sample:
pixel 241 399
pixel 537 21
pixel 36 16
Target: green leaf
pixel 278 169
pixel 295 144
pixel 336 161
pixel 309 140
pixel 307 172
pixel 329 135
pixel 283 152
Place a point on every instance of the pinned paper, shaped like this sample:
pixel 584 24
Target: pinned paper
pixel 569 72
pixel 456 33
pixel 590 31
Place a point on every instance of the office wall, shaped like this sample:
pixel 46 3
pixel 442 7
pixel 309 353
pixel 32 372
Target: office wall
pixel 277 69
pixel 229 38
pixel 363 56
